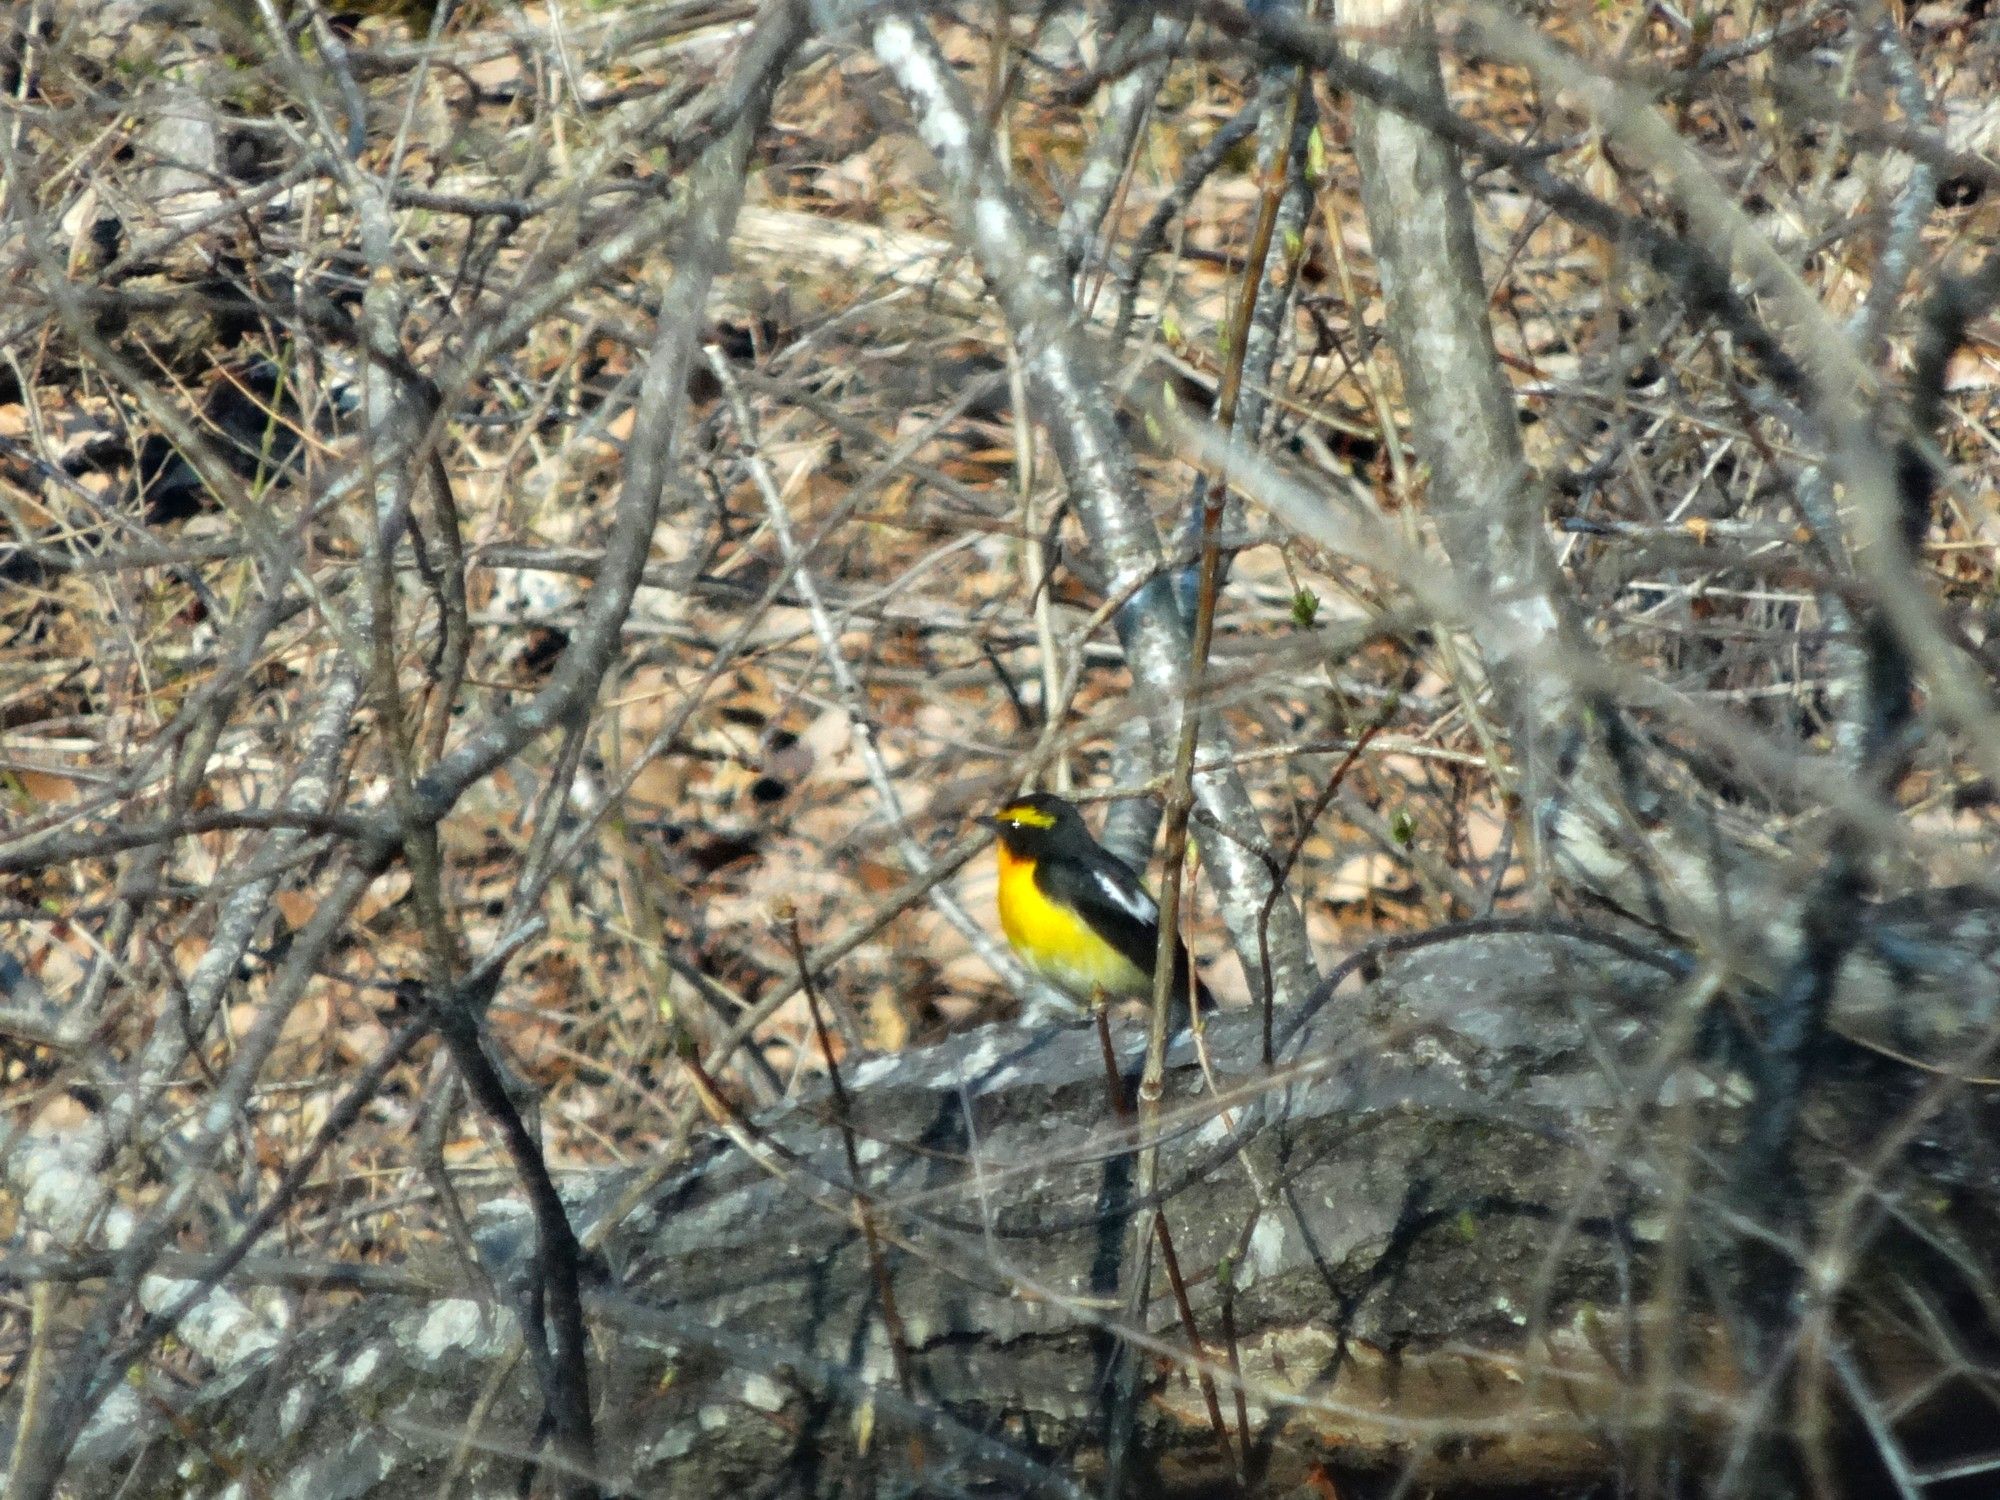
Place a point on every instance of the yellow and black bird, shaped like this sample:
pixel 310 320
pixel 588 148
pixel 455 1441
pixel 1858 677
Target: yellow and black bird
pixel 1076 913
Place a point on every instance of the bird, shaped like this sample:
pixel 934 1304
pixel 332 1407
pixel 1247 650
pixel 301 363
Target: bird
pixel 1076 913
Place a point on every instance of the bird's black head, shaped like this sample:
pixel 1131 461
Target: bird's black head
pixel 1038 821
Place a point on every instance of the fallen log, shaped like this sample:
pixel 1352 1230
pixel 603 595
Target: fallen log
pixel 1475 1226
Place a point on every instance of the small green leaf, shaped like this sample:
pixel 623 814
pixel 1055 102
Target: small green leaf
pixel 1402 828
pixel 1305 607
pixel 1315 156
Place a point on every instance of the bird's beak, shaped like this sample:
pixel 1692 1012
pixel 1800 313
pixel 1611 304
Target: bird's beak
pixel 987 820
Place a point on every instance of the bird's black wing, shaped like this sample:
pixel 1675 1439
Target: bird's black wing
pixel 1114 902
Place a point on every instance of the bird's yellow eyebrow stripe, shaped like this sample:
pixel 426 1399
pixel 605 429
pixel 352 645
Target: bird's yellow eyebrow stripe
pixel 1031 817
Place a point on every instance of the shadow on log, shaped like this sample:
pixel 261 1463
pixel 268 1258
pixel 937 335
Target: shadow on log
pixel 1478 1232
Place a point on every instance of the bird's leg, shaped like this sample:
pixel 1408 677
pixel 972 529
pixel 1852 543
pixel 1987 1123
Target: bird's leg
pixel 1121 1105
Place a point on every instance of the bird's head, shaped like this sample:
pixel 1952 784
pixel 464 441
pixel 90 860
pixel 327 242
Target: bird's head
pixel 1037 821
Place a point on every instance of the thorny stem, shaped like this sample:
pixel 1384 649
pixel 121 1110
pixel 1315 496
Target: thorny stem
pixel 1154 1224
pixel 1180 793
pixel 1306 825
pixel 864 1215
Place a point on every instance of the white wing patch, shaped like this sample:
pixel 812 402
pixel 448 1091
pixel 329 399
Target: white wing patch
pixel 1127 898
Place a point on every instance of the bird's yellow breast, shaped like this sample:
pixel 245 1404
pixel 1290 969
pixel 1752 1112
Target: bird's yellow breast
pixel 1057 943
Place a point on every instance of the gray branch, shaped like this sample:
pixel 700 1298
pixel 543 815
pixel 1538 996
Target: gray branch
pixel 1024 265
